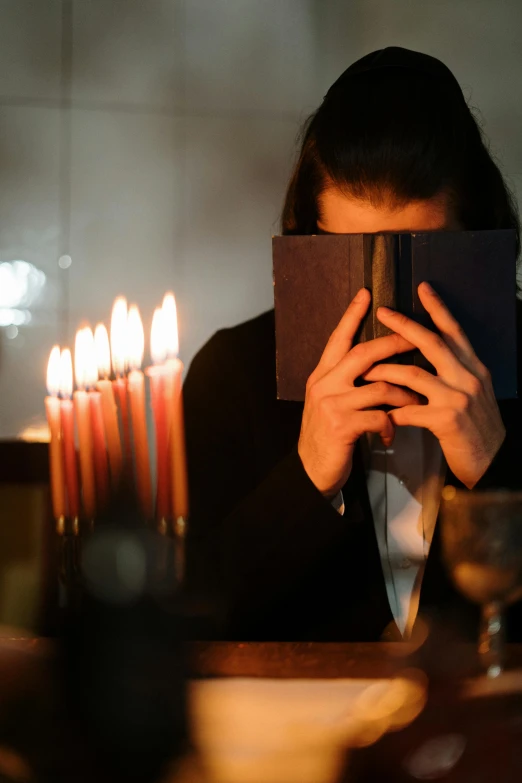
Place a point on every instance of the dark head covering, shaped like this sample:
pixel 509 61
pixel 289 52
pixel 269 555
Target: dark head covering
pixel 397 57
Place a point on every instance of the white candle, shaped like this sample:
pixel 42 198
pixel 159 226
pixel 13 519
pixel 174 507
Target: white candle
pixel 108 403
pixel 69 447
pixel 101 464
pixel 157 375
pixel 136 389
pixel 56 460
pixel 179 483
pixel 83 420
pixel 119 323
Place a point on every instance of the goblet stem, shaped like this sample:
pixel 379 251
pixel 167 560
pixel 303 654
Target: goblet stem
pixel 492 637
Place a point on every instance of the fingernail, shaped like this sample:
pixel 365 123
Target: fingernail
pixel 360 295
pixel 385 311
pixel 427 287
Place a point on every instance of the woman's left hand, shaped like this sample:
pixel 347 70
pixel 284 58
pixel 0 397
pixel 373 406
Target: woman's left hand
pixel 461 411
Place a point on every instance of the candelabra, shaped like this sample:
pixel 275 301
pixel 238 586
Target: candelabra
pixel 100 438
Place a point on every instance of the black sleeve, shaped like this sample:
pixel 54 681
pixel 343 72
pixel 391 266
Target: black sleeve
pixel 250 536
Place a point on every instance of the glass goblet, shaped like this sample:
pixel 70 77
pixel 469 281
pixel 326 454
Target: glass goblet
pixel 482 547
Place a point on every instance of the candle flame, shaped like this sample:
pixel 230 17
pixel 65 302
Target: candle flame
pixel 53 372
pixel 119 335
pixel 102 350
pixel 90 366
pixel 66 374
pixel 135 339
pixel 158 347
pixel 170 325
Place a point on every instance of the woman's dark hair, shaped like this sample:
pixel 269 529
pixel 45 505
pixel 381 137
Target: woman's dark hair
pixel 396 134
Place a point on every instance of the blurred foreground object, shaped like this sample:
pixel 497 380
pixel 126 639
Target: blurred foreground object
pixel 482 546
pixel 460 737
pixel 250 730
pixel 274 712
pixel 123 648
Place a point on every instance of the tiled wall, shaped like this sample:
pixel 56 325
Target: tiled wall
pixel 151 140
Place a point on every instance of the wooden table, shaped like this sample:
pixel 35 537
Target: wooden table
pixel 288 659
pixel 331 659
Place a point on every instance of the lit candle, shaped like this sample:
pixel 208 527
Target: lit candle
pixel 101 464
pixel 83 419
pixel 136 388
pixel 67 410
pixel 109 409
pixel 119 359
pixel 178 467
pixel 52 408
pixel 171 345
pixel 157 375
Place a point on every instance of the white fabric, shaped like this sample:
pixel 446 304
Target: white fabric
pixel 404 485
pixel 338 503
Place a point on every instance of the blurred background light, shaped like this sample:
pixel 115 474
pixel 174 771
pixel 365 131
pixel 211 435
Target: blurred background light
pixel 20 286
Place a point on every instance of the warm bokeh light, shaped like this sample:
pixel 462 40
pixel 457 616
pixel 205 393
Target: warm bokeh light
pixel 21 284
pixel 119 335
pixel 66 374
pixel 35 433
pixel 135 339
pixel 170 325
pixel 53 372
pixel 102 351
pixel 158 348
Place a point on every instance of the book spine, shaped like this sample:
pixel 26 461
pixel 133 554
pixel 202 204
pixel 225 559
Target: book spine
pixel 384 282
pixel 404 274
pixel 367 250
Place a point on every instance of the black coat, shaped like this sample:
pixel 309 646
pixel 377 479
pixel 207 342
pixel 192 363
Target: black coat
pixel 264 543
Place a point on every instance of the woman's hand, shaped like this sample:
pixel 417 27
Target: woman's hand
pixel 336 412
pixel 461 411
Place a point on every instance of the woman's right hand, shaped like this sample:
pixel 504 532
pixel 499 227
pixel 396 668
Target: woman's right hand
pixel 336 412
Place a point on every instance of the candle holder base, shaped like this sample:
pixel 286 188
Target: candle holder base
pixel 173 561
pixel 180 531
pixel 68 561
pixel 68 531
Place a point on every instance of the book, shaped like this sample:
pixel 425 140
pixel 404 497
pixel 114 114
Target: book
pixel 317 276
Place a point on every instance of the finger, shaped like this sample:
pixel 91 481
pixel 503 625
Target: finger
pixel 431 345
pixel 441 421
pixel 426 416
pixel 381 393
pixel 449 327
pixel 350 424
pixel 373 421
pixel 341 339
pixel 363 356
pixel 408 375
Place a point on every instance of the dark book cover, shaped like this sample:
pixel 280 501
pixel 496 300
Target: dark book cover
pixel 316 277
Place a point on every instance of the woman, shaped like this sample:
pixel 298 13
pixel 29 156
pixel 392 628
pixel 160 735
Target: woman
pixel 293 530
